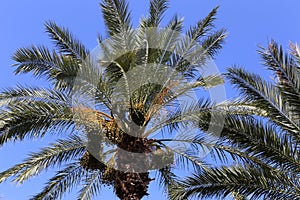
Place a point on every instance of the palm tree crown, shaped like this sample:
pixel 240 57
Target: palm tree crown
pixel 88 129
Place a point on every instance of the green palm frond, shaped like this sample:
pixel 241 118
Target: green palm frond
pixel 91 85
pixel 167 39
pixel 187 115
pixel 58 69
pixel 40 60
pixel 287 72
pixel 116 16
pixel 264 96
pixel 213 43
pixel 222 182
pixel 165 178
pixel 262 141
pixel 203 27
pixel 66 43
pixel 282 64
pixel 21 93
pixel 156 12
pixel 31 119
pixel 164 40
pixel 218 151
pixel 62 182
pixel 186 159
pixel 91 186
pixel 180 90
pixel 60 152
pixel 190 53
pixel 118 23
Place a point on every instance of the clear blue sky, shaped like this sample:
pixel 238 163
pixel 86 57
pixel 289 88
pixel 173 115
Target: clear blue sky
pixel 250 23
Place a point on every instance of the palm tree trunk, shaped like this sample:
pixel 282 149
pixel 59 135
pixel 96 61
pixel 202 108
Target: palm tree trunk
pixel 132 186
pixel 132 181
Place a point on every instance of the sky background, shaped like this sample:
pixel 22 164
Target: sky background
pixel 250 23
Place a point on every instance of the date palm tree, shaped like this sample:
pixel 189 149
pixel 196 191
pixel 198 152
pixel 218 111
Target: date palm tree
pixel 95 138
pixel 261 131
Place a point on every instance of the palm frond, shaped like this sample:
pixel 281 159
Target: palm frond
pixel 66 43
pixel 56 154
pixel 185 158
pixel 31 119
pixel 263 143
pixel 199 44
pixel 156 12
pixel 60 70
pixel 62 182
pixel 264 96
pixel 187 116
pixel 165 178
pixel 259 140
pixel 116 16
pixel 220 152
pixel 213 43
pixel 167 40
pixel 21 93
pixel 222 182
pixel 281 63
pixel 241 106
pixel 204 26
pixel 192 38
pixel 91 186
pixel 287 72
